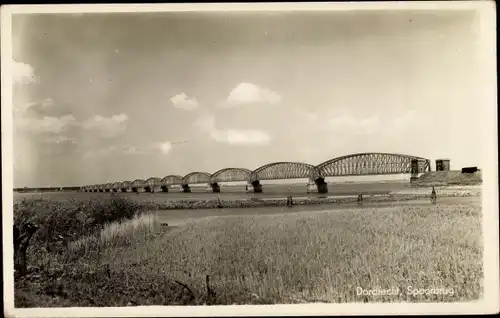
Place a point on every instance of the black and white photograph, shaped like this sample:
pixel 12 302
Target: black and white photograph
pixel 249 159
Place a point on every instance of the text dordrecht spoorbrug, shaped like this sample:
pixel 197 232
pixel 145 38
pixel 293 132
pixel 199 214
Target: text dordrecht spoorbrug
pixel 410 290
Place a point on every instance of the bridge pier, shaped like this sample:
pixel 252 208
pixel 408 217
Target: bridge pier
pixel 215 187
pixel 257 187
pixel 186 188
pixel 148 189
pixel 155 189
pixel 442 164
pixel 416 169
pixel 321 185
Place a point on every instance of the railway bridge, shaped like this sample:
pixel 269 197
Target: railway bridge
pixel 358 164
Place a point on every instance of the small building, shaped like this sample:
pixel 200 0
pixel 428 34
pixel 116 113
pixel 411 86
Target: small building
pixel 442 164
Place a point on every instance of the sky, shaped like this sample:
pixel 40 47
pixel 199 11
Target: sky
pixel 111 97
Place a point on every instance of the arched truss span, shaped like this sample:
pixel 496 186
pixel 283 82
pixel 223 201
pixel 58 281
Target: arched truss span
pixel 126 184
pixel 153 182
pixel 117 185
pixel 230 175
pixel 139 183
pixel 101 186
pixel 196 177
pixel 171 180
pixel 372 163
pixel 285 170
pixel 108 186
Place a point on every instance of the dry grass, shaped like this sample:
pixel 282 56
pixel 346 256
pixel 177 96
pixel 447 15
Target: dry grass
pixel 443 191
pixel 321 256
pixel 264 259
pixel 117 234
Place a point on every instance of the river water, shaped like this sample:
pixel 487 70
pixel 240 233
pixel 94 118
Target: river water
pixel 270 191
pixel 178 217
pixel 173 217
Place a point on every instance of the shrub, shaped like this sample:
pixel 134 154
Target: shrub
pixel 63 221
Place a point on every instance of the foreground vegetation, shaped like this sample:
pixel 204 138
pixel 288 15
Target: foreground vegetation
pixel 108 260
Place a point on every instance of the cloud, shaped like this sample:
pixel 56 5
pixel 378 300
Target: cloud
pixel 248 93
pixel 106 127
pixel 62 140
pixel 349 124
pixel 45 107
pixel 115 150
pixel 182 101
pixel 240 136
pixel 231 136
pixel 31 123
pixel 361 126
pixel 409 120
pixel 44 103
pixel 125 149
pixel 205 123
pixel 128 149
pixel 165 147
pixel 23 73
pixel 47 124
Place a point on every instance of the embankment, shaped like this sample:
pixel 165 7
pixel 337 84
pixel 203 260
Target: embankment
pixel 442 178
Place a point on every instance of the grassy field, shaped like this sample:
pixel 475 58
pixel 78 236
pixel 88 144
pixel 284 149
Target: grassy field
pixel 289 257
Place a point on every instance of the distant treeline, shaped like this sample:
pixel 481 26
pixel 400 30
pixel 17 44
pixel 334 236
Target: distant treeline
pixel 46 189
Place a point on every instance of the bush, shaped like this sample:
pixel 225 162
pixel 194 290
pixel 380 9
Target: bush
pixel 63 221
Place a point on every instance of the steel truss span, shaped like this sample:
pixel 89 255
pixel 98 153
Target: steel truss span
pixel 153 182
pixel 171 180
pixel 230 175
pixel 126 184
pixel 139 183
pixel 196 177
pixel 285 170
pixel 371 164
